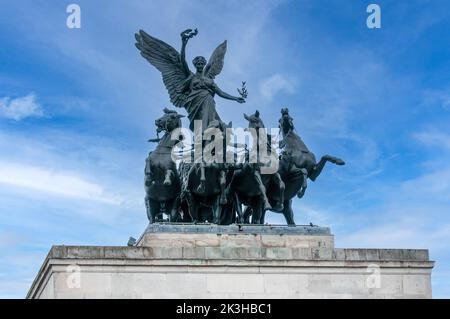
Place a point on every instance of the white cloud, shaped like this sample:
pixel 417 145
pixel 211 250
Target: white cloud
pixel 431 138
pixel 437 97
pixel 20 108
pixel 54 182
pixel 435 184
pixel 275 84
pixel 399 234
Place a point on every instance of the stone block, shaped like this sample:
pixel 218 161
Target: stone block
pixel 391 254
pixel 339 254
pixel 85 252
pixel 213 252
pixel 235 283
pixel 277 253
pixel 415 254
pixel 273 241
pixel 301 253
pixel 352 254
pixel 194 252
pixel 164 252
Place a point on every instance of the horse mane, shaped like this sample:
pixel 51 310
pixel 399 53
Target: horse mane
pixel 294 142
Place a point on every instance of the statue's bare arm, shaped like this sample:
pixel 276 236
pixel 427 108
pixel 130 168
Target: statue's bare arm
pixel 227 96
pixel 185 36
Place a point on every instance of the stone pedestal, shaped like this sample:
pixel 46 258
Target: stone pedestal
pixel 209 261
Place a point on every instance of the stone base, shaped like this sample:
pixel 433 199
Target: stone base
pixel 209 261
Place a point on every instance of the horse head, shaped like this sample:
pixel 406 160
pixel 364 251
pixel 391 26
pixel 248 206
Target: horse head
pixel 254 121
pixel 170 121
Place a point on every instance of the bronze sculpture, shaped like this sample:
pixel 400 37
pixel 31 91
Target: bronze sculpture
pixel 297 164
pixel 193 91
pixel 214 191
pixel 162 182
pixel 252 188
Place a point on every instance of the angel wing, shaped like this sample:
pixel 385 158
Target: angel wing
pixel 167 60
pixel 216 61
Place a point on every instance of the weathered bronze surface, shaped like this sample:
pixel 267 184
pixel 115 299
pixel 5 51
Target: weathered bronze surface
pixel 215 191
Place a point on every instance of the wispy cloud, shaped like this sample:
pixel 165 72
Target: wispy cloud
pixel 434 138
pixel 54 182
pixel 20 108
pixel 275 84
pixel 406 234
pixel 440 98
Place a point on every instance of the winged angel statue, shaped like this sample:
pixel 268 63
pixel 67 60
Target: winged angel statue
pixel 193 91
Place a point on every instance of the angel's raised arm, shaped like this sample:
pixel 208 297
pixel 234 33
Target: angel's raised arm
pixel 184 41
pixel 185 36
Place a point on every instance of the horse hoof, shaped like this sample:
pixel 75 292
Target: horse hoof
pixel 267 206
pixel 223 201
pixel 167 183
pixel 335 160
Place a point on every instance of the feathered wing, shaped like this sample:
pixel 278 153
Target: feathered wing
pixel 216 61
pixel 167 60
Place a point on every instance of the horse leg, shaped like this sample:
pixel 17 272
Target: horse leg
pixel 162 211
pixel 288 213
pixel 317 169
pixel 262 189
pixel 172 209
pixel 222 181
pixel 263 217
pixel 257 208
pixel 262 213
pixel 226 215
pixel 148 173
pixel 201 186
pixel 279 182
pixel 241 218
pixel 154 211
pixel 168 177
pixel 302 190
pixel 247 213
pixel 193 207
pixel 149 210
pixel 216 207
pixel 184 211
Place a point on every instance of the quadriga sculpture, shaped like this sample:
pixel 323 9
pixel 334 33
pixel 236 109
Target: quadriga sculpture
pixel 202 195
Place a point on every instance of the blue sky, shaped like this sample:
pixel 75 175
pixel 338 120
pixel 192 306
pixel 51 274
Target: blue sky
pixel 77 106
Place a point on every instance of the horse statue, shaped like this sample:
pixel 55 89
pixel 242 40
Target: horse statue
pixel 297 163
pixel 204 183
pixel 162 182
pixel 250 187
